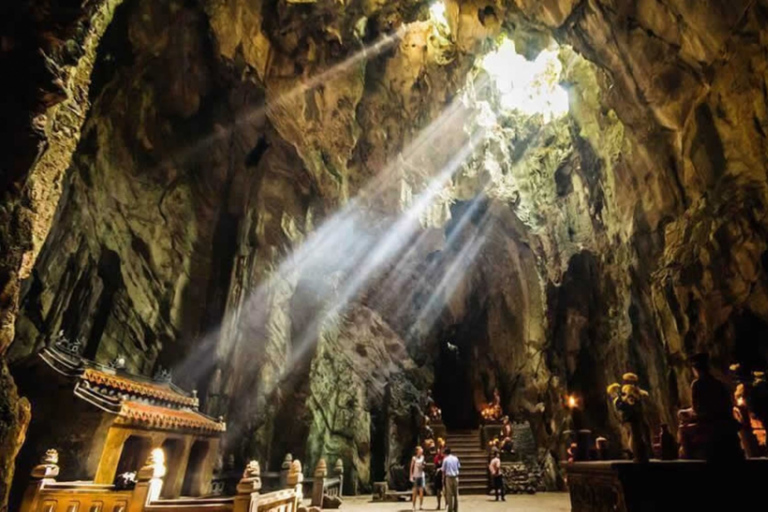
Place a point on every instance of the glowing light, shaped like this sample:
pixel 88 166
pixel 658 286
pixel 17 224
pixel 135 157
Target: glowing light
pixel 530 87
pixel 573 402
pixel 740 401
pixel 437 12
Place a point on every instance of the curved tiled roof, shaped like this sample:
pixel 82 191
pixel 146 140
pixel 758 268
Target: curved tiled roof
pixel 165 418
pixel 137 388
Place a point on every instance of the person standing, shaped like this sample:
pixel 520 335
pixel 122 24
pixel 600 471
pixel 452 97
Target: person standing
pixel 438 480
pixel 451 466
pixel 418 477
pixel 498 481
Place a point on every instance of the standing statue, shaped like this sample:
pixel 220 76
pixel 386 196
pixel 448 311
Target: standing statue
pixel 742 414
pixel 628 400
pixel 708 429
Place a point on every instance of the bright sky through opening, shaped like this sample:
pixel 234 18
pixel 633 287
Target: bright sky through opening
pixel 530 87
pixel 437 10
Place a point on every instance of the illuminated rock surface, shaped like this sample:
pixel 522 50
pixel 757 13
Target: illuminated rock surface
pixel 625 235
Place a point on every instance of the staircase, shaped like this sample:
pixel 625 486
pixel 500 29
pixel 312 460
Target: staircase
pixel 473 477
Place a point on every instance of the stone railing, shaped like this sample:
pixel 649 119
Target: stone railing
pixel 322 485
pixel 45 494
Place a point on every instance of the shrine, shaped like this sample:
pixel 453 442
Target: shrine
pixel 121 418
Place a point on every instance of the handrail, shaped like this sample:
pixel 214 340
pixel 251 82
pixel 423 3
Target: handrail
pixel 45 494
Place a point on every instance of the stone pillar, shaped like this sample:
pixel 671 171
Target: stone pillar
pixel 296 480
pixel 318 483
pixel 247 498
pixel 110 455
pixel 149 482
pixel 285 468
pixel 338 472
pixel 177 468
pixel 43 474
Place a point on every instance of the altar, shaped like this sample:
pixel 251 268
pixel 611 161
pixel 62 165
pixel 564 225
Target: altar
pixel 661 486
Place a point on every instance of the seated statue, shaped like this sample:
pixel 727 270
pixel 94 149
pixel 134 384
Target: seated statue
pixel 708 430
pixel 506 435
pixel 426 430
pixel 433 411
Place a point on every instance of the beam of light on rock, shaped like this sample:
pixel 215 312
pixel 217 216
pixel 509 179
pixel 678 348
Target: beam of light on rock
pixel 344 233
pixel 255 114
pixel 451 278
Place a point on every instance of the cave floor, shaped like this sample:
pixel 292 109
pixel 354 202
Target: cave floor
pixel 542 502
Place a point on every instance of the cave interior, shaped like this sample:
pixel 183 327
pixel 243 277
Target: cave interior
pixel 312 213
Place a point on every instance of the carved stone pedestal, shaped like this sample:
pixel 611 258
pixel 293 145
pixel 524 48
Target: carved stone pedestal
pixel 661 486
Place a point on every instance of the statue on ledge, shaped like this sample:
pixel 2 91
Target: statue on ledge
pixel 628 400
pixel 741 412
pixel 708 430
pixel 507 445
pixel 433 411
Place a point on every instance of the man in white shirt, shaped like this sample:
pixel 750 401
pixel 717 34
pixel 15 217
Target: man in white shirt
pixel 451 466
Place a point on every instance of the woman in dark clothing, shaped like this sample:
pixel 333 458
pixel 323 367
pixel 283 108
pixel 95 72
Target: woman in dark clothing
pixel 437 482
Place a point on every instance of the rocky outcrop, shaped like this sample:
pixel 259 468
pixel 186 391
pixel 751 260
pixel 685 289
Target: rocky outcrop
pixel 303 209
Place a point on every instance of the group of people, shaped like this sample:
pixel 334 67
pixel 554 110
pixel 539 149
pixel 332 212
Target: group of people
pixel 446 478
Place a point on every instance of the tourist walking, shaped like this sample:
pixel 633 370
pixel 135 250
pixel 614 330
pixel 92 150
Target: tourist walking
pixel 451 468
pixel 437 482
pixel 498 481
pixel 418 477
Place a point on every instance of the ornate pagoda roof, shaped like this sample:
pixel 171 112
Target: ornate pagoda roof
pixel 134 387
pixel 167 419
pixel 135 399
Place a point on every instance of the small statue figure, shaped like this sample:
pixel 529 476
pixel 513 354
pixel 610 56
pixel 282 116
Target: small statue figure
pixel 433 411
pixel 507 445
pixel 758 399
pixel 601 448
pixel 429 446
pixel 118 363
pixel 669 448
pixel 426 430
pixel 125 481
pixel 628 400
pixel 572 451
pixel 162 374
pixel 72 348
pixel 749 442
pixel 708 429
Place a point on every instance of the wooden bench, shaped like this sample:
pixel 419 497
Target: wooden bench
pixel 45 494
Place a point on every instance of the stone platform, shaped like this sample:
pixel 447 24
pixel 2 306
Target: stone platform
pixel 667 486
pixel 543 502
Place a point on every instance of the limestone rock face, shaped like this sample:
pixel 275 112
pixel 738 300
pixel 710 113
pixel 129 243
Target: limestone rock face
pixel 303 210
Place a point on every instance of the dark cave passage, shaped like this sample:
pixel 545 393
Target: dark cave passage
pixel 454 390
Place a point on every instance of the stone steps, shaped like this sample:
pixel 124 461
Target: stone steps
pixel 473 478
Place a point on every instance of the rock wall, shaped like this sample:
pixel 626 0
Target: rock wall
pixel 259 199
